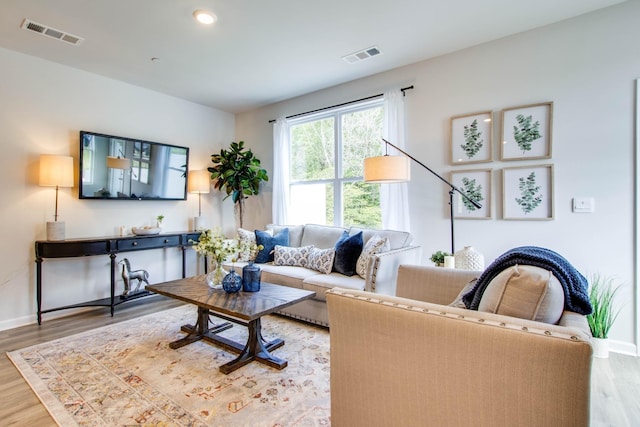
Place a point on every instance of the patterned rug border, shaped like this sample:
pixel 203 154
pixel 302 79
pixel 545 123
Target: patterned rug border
pixel 56 408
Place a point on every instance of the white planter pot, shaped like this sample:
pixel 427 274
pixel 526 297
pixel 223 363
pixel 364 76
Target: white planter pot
pixel 600 347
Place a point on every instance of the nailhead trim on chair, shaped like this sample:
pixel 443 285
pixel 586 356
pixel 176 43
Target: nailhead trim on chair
pixel 457 316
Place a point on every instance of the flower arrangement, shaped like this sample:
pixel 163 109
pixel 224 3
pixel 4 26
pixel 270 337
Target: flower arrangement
pixel 213 244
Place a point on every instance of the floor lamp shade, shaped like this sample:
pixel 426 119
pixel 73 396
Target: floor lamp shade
pixel 56 171
pixel 387 169
pixel 199 182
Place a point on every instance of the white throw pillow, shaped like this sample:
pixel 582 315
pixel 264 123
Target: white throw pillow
pixel 321 259
pixel 295 257
pixel 374 245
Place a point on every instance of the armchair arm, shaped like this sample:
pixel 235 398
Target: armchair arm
pixel 382 269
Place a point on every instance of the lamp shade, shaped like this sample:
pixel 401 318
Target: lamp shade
pixel 118 163
pixel 199 181
pixel 56 171
pixel 387 169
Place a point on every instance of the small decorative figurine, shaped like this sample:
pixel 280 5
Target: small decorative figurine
pixel 128 276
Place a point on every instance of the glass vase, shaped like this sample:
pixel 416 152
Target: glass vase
pixel 215 276
pixel 232 282
pixel 251 277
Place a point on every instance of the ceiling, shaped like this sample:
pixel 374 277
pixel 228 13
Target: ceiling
pixel 263 51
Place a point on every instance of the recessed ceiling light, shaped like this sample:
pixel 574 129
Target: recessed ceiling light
pixel 204 17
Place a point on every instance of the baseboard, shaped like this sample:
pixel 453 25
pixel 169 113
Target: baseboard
pixel 623 348
pixel 32 319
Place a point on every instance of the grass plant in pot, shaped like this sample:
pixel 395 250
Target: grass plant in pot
pixel 602 293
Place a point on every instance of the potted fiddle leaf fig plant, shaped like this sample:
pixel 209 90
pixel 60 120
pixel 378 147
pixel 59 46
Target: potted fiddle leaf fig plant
pixel 237 172
pixel 602 293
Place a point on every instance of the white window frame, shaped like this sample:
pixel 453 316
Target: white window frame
pixel 335 113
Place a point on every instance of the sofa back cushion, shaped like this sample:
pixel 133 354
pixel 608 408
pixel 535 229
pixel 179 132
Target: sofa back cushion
pixel 321 236
pixel 295 233
pixel 397 239
pixel 526 292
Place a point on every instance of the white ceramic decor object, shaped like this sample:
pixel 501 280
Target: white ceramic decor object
pixel 469 259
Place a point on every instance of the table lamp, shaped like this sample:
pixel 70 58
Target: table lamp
pixel 199 183
pixel 56 171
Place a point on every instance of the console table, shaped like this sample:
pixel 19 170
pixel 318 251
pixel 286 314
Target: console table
pixel 106 246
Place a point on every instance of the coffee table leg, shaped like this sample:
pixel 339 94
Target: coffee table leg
pixel 256 349
pixel 200 330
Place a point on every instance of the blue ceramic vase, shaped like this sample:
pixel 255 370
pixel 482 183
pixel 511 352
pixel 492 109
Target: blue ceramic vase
pixel 232 282
pixel 251 278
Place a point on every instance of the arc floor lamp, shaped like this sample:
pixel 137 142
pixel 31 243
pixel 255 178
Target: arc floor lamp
pixel 395 169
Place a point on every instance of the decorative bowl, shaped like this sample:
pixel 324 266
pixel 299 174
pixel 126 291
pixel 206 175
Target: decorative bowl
pixel 143 231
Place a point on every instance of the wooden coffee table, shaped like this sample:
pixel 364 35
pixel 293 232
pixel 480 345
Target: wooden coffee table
pixel 243 308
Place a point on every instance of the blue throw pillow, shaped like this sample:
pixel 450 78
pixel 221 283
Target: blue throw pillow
pixel 348 249
pixel 269 243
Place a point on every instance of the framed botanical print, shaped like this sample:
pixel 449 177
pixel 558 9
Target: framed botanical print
pixel 471 138
pixel 526 132
pixel 527 192
pixel 476 184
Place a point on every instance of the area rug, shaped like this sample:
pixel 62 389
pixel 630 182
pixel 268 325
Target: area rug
pixel 126 374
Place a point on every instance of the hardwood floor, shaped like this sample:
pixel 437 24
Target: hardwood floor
pixel 615 383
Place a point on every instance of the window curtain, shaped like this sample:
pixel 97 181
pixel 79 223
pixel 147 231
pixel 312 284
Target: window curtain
pixel 394 198
pixel 280 175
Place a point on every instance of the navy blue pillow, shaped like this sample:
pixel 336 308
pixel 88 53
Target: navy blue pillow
pixel 269 244
pixel 348 249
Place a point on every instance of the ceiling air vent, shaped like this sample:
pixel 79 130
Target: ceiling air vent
pixel 361 55
pixel 44 30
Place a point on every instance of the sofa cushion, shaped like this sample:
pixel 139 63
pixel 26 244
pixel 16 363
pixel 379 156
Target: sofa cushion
pixel 320 283
pixel 375 245
pixel 321 236
pixel 467 288
pixel 321 259
pixel 526 292
pixel 397 239
pixel 269 243
pixel 295 257
pixel 348 249
pixel 285 275
pixel 295 233
pixel 246 239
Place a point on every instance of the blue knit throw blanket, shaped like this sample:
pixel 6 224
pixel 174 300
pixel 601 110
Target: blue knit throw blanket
pixel 576 296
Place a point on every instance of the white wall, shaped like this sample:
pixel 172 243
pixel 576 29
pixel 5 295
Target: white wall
pixel 43 106
pixel 587 67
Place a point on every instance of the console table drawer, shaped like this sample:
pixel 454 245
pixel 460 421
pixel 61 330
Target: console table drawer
pixel 136 243
pixel 65 249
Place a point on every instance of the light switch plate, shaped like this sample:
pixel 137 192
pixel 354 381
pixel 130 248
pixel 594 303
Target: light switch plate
pixel 583 204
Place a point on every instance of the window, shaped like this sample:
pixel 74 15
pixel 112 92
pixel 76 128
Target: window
pixel 327 153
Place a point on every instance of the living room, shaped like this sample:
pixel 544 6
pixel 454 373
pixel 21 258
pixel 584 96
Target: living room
pixel 585 65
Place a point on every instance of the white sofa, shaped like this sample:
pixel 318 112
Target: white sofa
pixel 381 270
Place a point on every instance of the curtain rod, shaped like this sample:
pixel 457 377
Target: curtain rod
pixel 342 105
